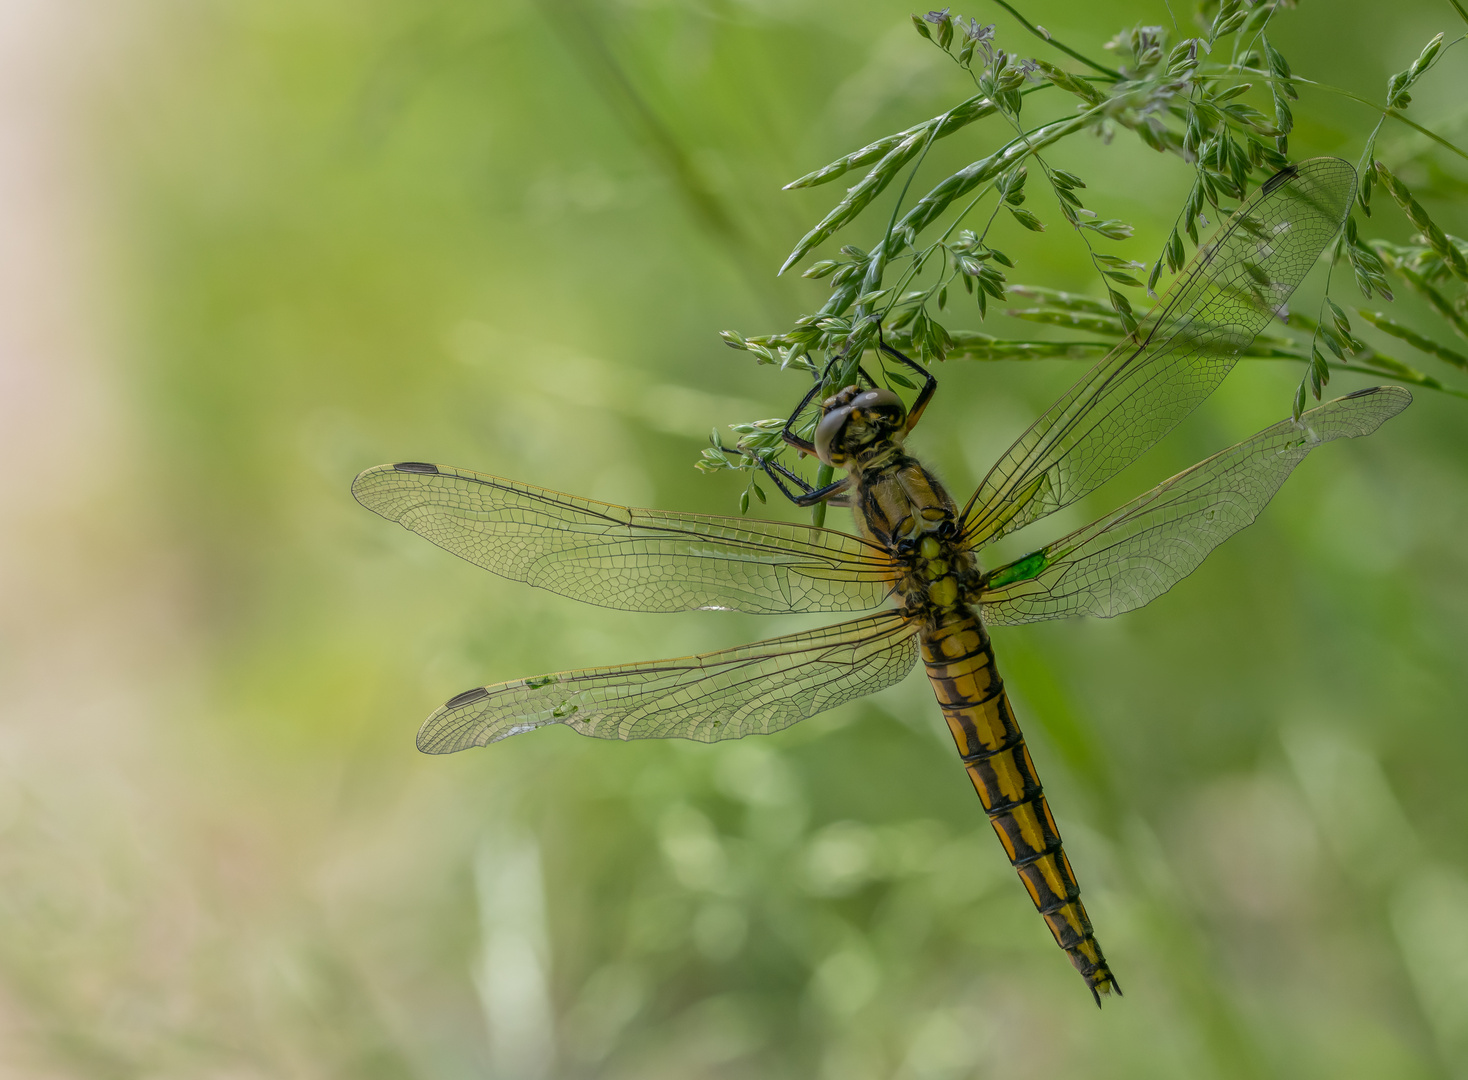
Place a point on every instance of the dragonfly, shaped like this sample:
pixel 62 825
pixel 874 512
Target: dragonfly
pixel 915 556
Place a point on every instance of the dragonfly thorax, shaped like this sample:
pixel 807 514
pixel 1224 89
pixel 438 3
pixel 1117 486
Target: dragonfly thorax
pixel 854 419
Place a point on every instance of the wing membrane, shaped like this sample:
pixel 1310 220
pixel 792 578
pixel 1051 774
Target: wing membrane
pixel 1135 554
pixel 626 558
pixel 1190 342
pixel 753 689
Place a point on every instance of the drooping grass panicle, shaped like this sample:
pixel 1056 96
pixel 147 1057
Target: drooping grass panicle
pixel 1452 258
pixel 1226 101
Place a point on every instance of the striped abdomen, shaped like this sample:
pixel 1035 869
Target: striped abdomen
pixel 960 663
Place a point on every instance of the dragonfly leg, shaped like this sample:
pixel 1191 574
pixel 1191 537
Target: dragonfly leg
pixel 925 395
pixel 787 433
pixel 831 494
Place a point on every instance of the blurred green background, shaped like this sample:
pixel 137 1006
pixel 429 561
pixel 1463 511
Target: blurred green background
pixel 256 246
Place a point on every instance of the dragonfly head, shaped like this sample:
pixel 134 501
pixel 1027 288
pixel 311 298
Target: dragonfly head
pixel 854 418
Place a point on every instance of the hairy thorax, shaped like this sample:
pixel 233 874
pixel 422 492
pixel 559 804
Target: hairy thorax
pixel 897 503
pixel 900 505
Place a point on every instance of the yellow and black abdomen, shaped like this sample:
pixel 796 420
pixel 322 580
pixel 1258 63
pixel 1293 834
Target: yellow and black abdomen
pixel 960 664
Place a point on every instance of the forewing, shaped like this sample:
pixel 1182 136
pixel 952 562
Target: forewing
pixel 752 690
pixel 626 558
pixel 1235 285
pixel 1135 554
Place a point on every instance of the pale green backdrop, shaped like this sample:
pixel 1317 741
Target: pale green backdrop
pixel 274 243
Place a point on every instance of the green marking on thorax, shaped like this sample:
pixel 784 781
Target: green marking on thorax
pixel 1032 565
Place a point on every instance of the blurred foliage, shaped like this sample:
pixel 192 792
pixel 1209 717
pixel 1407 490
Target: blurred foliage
pixel 502 236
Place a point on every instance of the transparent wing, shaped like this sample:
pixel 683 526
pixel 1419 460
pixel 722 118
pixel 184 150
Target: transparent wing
pixel 1135 554
pixel 1236 284
pixel 752 690
pixel 620 557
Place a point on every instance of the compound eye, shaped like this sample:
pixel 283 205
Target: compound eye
pixel 880 400
pixel 827 430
